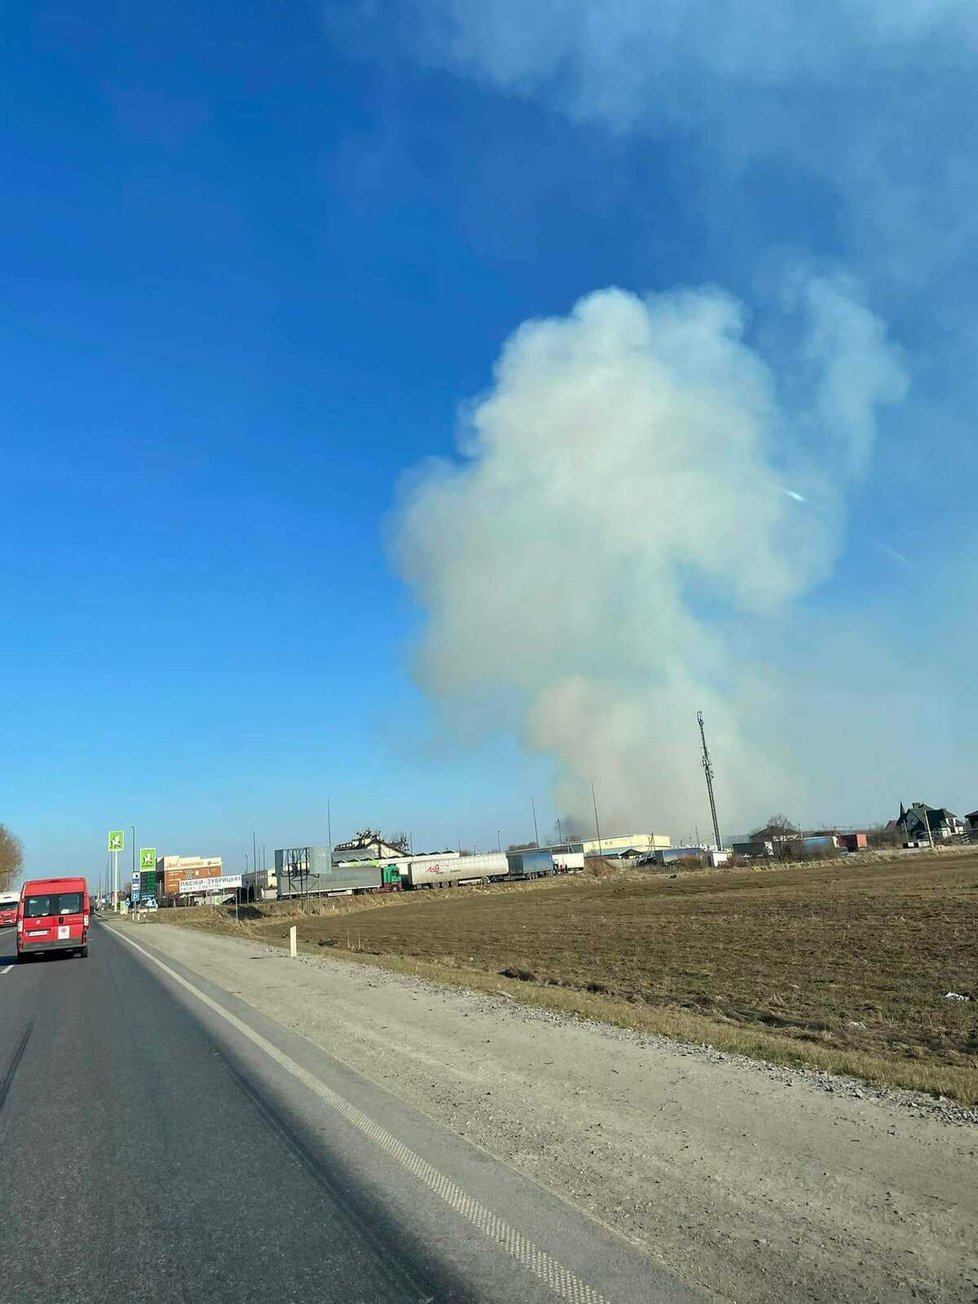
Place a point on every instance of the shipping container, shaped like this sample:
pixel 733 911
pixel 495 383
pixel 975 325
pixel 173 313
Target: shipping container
pixel 530 863
pixel 434 871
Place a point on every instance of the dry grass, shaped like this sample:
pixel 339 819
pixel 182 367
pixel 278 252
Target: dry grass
pixel 839 966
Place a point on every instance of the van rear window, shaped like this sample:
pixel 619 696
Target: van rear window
pixel 57 903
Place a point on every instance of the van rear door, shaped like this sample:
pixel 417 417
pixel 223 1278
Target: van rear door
pixel 55 918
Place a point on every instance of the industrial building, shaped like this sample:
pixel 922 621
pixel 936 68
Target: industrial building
pixel 367 845
pixel 625 845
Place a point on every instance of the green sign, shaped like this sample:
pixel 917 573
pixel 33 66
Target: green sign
pixel 147 857
pixel 117 840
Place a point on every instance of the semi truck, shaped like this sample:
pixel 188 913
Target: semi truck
pixel 530 863
pixel 8 909
pixel 342 880
pixel 443 871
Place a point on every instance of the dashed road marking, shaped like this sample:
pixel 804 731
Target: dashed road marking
pixel 543 1266
pixel 6 969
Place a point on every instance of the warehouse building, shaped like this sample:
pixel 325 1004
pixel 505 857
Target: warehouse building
pixel 625 845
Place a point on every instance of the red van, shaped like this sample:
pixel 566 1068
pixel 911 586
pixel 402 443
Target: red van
pixel 52 915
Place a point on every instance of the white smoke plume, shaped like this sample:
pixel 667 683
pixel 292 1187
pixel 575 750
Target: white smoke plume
pixel 868 96
pixel 635 497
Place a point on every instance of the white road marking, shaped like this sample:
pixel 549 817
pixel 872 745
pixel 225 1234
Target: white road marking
pixel 561 1280
pixel 6 970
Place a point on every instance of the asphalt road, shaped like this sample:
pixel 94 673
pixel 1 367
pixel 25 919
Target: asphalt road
pixel 162 1141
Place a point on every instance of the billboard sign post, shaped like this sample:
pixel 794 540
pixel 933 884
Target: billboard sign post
pixel 147 871
pixel 116 843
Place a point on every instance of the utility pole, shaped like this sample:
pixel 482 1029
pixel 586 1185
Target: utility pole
pixel 132 828
pixel 536 835
pixel 708 772
pixel 906 831
pixel 329 833
pixel 560 836
pixel 597 826
pixel 499 845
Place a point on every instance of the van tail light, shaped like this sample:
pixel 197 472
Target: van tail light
pixel 85 921
pixel 20 925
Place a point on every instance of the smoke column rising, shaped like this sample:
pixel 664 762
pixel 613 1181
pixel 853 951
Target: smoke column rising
pixel 624 512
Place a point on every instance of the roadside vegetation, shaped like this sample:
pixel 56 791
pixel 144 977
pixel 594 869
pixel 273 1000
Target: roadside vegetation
pixel 841 966
pixel 11 858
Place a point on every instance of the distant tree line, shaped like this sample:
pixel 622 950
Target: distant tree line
pixel 11 857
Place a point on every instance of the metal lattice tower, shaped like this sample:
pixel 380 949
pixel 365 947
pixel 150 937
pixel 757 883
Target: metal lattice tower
pixel 708 771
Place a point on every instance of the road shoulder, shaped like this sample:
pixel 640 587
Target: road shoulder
pixel 749 1180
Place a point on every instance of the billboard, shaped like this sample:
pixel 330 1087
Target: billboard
pixel 217 883
pixel 172 870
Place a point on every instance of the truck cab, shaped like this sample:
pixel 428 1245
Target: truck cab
pixel 8 909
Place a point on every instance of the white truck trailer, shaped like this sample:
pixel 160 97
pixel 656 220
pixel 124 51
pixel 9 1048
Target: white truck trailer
pixel 435 871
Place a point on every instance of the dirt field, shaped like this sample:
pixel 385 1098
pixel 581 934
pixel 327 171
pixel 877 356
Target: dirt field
pixel 841 967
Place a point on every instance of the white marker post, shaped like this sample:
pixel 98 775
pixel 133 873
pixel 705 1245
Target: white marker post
pixel 293 947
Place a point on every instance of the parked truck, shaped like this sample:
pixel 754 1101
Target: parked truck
pixel 531 863
pixel 434 871
pixel 568 862
pixel 342 880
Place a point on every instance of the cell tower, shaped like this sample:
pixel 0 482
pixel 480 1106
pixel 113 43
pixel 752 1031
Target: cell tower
pixel 708 771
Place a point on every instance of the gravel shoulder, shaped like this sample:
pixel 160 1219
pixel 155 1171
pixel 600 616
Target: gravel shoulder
pixel 758 1183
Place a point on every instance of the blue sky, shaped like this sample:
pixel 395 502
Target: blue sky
pixel 253 264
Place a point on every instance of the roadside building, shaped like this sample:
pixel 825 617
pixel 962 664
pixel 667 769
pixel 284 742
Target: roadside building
pixel 368 845
pixel 918 817
pixel 780 835
pixel 754 849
